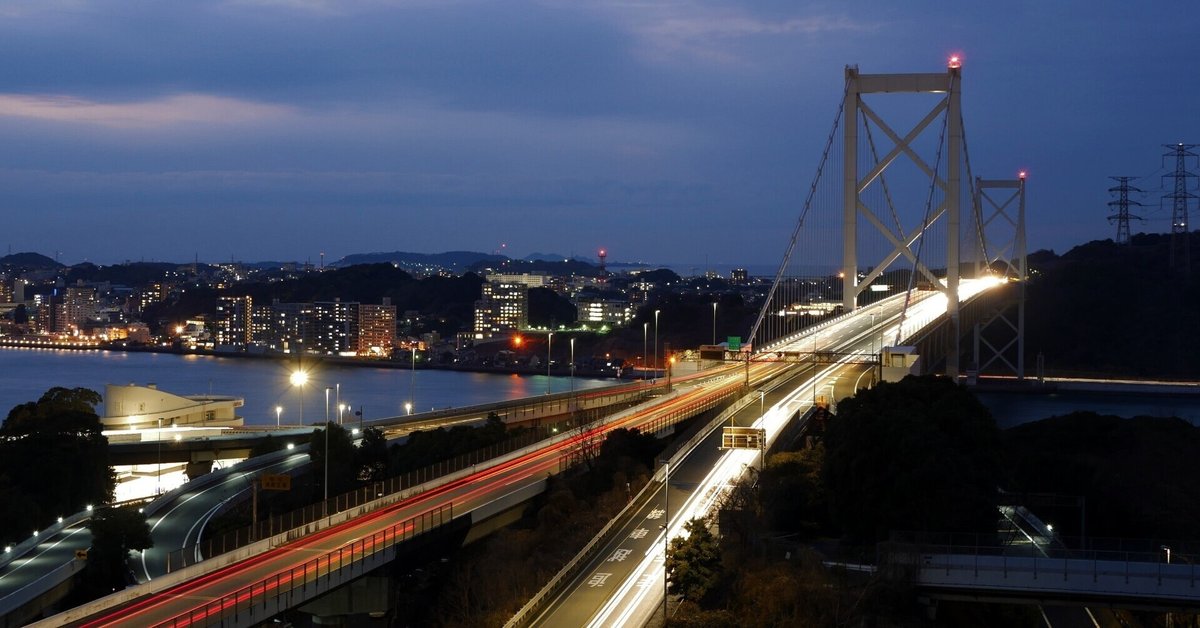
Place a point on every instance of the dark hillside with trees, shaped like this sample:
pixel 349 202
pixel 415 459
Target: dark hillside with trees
pixel 1138 477
pixel 1107 309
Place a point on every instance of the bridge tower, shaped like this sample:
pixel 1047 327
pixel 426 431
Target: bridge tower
pixel 999 215
pixel 854 183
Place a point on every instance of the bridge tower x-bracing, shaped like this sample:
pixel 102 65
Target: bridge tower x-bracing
pixel 1121 206
pixel 996 213
pixel 854 183
pixel 1181 198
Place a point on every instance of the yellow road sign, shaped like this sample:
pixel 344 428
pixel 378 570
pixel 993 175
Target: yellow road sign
pixel 273 482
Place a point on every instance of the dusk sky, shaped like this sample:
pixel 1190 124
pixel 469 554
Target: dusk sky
pixel 673 131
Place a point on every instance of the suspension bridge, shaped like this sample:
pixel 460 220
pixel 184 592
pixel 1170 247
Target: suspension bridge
pixel 904 246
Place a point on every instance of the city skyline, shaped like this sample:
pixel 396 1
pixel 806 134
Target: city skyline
pixel 671 133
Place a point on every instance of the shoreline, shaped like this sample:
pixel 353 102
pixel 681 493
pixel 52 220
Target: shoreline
pixel 320 359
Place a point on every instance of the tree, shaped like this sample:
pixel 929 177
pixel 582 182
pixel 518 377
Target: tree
pixel 919 454
pixel 372 456
pixel 115 532
pixel 694 562
pixel 55 459
pixel 341 460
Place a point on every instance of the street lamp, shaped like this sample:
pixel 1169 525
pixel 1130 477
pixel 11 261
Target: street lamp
pixel 645 347
pixel 278 413
pixel 412 380
pixel 656 312
pixel 325 506
pixel 327 389
pixel 572 369
pixel 408 407
pixel 341 412
pixel 714 322
pixel 159 480
pixel 298 379
pixel 666 530
pixel 549 344
pixel 337 399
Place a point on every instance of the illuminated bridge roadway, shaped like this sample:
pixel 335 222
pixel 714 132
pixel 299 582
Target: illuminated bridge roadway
pixel 243 587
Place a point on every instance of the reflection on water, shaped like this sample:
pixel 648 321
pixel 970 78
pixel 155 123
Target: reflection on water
pixel 380 392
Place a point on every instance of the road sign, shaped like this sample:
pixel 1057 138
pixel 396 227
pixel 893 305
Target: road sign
pixel 81 554
pixel 734 343
pixel 743 438
pixel 272 482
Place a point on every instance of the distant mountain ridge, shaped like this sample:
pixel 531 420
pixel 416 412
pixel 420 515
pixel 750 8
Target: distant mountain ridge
pixel 29 260
pixel 449 259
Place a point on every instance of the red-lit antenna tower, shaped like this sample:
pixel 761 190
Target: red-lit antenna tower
pixel 603 255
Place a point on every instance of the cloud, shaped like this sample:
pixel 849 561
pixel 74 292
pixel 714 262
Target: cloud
pixel 691 29
pixel 174 110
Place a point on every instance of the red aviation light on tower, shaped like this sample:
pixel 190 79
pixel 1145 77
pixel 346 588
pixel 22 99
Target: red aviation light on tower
pixel 1021 175
pixel 955 62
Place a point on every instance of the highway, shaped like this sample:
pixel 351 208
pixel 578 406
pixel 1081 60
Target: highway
pixel 53 552
pixel 184 516
pixel 845 334
pixel 464 494
pixel 624 584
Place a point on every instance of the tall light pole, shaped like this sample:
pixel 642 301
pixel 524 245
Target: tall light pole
pixel 341 412
pixel 666 530
pixel 549 345
pixel 714 322
pixel 412 379
pixel 656 344
pixel 572 371
pixel 645 347
pixel 327 389
pixel 278 413
pixel 298 380
pixel 337 399
pixel 325 506
pixel 159 481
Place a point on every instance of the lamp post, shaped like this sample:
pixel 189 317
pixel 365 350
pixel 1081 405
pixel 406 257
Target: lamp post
pixel 337 399
pixel 159 480
pixel 571 409
pixel 412 380
pixel 656 344
pixel 341 412
pixel 666 530
pixel 325 506
pixel 549 344
pixel 714 322
pixel 645 346
pixel 298 380
pixel 278 413
pixel 327 389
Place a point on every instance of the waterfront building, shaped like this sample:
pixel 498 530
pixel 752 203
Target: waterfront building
pixel 76 306
pixel 502 307
pixel 135 407
pixel 291 327
pixel 592 308
pixel 377 328
pixel 334 328
pixel 152 293
pixel 234 323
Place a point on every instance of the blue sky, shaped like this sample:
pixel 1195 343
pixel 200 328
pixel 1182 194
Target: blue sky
pixel 669 131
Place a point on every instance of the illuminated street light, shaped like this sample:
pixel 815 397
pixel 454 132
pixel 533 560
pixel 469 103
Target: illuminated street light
pixel 656 312
pixel 408 407
pixel 278 414
pixel 299 378
pixel 714 322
